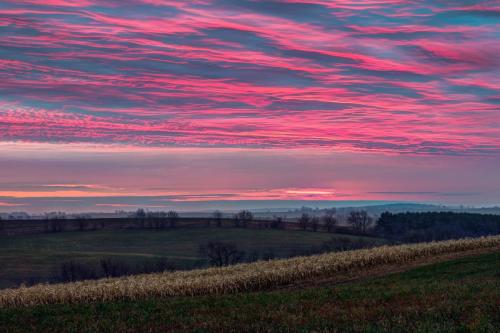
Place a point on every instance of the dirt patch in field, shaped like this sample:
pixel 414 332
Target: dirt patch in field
pixel 384 270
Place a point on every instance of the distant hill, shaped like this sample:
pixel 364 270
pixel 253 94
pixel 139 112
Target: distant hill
pixel 312 207
pixel 377 209
pixel 449 296
pixel 415 207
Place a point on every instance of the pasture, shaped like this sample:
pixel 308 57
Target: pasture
pixel 38 256
pixel 261 275
pixel 460 295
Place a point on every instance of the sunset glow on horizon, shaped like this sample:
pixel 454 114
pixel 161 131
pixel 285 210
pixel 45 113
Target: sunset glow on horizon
pixel 105 102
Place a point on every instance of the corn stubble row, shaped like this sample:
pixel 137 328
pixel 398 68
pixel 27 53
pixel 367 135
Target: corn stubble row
pixel 243 277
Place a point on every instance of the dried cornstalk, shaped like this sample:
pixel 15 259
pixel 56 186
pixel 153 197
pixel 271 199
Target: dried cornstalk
pixel 243 277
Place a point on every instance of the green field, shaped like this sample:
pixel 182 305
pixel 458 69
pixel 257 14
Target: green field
pixel 461 295
pixel 26 256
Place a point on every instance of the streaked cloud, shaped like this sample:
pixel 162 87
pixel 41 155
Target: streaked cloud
pixel 93 177
pixel 156 103
pixel 376 76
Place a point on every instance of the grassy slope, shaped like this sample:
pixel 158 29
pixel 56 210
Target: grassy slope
pixel 22 257
pixel 455 296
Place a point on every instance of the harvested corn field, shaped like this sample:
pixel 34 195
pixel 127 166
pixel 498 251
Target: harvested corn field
pixel 244 277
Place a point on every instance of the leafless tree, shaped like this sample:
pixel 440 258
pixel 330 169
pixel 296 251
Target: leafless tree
pixel 75 271
pixel 156 266
pixel 314 223
pixel 268 255
pixel 113 268
pixel 304 221
pixel 329 219
pixel 172 218
pixel 253 256
pixel 140 213
pixel 277 223
pixel 360 221
pixel 242 218
pixel 83 221
pixel 140 216
pixel 156 219
pixel 221 253
pixel 217 216
pixel 56 221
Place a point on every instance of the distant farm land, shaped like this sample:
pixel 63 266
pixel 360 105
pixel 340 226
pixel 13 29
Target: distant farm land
pixel 459 295
pixel 37 257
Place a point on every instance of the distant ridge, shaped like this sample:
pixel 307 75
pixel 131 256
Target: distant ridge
pixel 294 208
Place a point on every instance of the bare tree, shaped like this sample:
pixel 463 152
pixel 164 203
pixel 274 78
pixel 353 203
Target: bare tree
pixel 277 223
pixel 304 221
pixel 242 218
pixel 113 268
pixel 314 223
pixel 360 221
pixel 76 271
pixel 253 256
pixel 221 253
pixel 56 221
pixel 156 219
pixel 95 225
pixel 172 218
pixel 83 221
pixel 268 255
pixel 217 216
pixel 156 266
pixel 140 213
pixel 140 216
pixel 329 219
pixel 346 244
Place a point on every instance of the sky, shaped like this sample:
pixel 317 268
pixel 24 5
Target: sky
pixel 113 104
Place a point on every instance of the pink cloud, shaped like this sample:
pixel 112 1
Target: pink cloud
pixel 224 76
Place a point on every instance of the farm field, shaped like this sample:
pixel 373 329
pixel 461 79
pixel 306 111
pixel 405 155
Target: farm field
pixel 460 295
pixel 27 256
pixel 256 276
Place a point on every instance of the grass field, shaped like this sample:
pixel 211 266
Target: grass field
pixel 256 276
pixel 455 296
pixel 25 256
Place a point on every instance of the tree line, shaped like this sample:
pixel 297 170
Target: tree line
pixel 74 270
pixel 434 226
pixel 359 221
pixel 213 253
pixel 404 227
pixel 222 253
